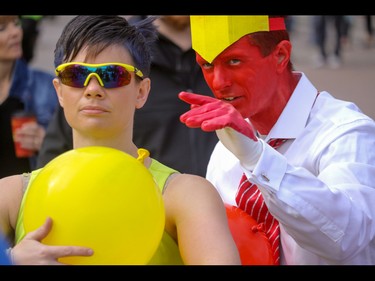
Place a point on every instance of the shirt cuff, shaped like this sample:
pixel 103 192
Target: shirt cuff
pixel 269 170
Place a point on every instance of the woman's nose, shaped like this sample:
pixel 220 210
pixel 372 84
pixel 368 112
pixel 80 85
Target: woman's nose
pixel 94 88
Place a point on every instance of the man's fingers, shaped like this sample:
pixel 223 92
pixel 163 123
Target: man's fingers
pixel 196 117
pixel 212 109
pixel 195 99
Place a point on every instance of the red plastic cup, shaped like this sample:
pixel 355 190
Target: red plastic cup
pixel 18 119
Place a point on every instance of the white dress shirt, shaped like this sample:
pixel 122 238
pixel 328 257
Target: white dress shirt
pixel 320 184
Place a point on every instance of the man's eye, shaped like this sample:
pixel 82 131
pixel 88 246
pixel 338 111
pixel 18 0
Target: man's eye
pixel 206 65
pixel 234 61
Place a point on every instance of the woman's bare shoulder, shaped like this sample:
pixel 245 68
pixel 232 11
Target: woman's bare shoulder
pixel 11 183
pixel 190 181
pixel 190 188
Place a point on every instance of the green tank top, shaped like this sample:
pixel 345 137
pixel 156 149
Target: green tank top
pixel 167 252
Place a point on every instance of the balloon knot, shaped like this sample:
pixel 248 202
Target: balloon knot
pixel 258 227
pixel 142 154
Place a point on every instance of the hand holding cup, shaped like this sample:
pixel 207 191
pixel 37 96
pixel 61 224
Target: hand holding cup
pixel 27 134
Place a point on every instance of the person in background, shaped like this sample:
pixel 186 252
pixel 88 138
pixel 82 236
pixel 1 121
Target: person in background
pixel 30 26
pixel 156 126
pixel 332 58
pixel 21 88
pixel 306 158
pixel 102 67
pixel 369 28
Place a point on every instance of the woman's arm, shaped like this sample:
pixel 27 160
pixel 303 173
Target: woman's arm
pixel 196 218
pixel 30 250
pixel 11 192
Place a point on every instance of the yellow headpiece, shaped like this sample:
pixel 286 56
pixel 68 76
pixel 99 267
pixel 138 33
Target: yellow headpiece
pixel 213 34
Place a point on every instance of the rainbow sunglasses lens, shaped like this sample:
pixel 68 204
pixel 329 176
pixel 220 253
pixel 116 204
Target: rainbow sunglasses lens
pixel 110 75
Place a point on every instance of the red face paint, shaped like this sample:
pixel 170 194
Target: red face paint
pixel 241 76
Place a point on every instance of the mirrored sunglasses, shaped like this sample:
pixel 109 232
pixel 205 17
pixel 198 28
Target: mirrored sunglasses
pixel 109 75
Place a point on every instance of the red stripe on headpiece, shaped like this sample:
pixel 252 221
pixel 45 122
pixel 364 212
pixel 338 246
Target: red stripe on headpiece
pixel 276 24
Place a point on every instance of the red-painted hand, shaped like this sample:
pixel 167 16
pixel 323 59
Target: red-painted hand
pixel 234 132
pixel 211 114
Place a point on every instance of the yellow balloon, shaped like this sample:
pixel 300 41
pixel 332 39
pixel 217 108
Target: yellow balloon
pixel 101 198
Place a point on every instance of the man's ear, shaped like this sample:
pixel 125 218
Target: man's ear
pixel 282 52
pixel 57 84
pixel 143 92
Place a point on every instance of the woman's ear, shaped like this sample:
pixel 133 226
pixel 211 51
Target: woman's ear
pixel 57 84
pixel 282 52
pixel 143 92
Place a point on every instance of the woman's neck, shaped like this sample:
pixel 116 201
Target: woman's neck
pixel 127 147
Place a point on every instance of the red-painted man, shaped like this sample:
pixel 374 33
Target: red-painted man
pixel 319 183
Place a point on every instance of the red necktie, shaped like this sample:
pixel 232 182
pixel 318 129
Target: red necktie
pixel 250 199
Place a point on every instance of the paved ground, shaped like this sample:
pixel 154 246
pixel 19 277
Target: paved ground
pixel 353 81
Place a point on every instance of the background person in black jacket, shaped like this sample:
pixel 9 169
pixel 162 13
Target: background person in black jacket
pixel 157 126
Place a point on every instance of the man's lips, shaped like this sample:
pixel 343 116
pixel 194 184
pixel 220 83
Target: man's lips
pixel 229 98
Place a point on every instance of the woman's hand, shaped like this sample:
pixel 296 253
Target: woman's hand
pixel 30 251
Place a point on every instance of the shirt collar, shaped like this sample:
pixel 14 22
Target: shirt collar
pixel 294 116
